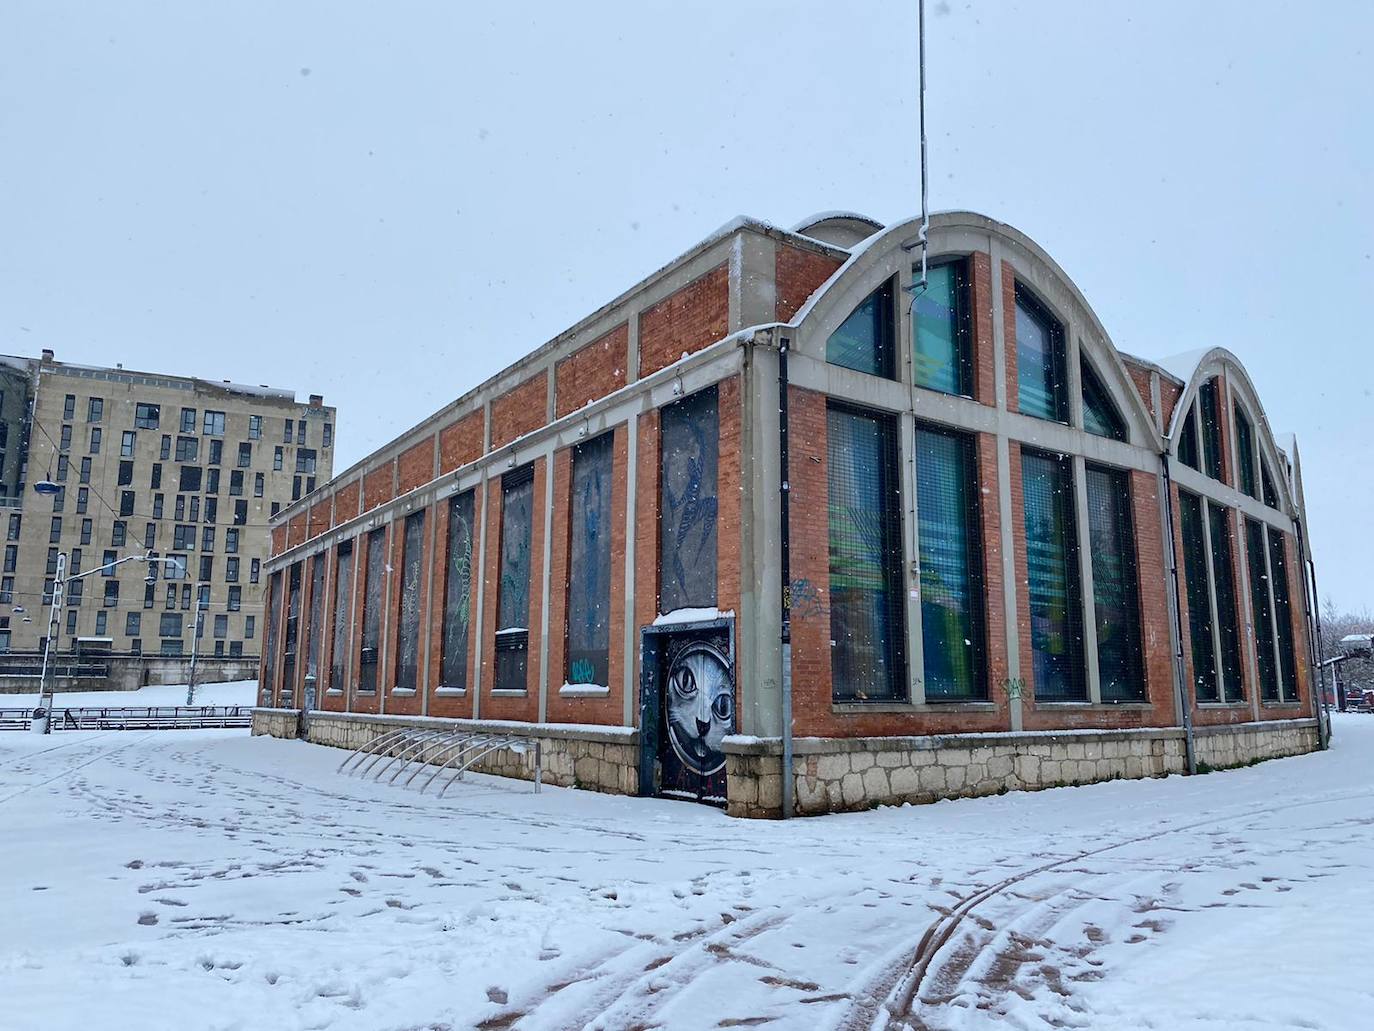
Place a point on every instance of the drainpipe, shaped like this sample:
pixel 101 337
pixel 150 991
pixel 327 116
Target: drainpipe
pixel 1314 640
pixel 1180 669
pixel 784 508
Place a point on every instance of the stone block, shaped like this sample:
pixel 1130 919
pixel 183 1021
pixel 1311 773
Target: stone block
pixel 860 761
pixel 932 778
pixel 832 767
pixel 852 789
pixel 904 780
pixel 875 784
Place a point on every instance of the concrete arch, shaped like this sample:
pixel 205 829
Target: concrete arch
pixel 890 251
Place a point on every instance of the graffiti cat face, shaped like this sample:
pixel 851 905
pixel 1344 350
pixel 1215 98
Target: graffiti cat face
pixel 701 706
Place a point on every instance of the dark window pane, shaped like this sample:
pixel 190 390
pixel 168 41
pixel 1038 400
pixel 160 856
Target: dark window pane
pixel 1116 600
pixel 943 356
pixel 343 602
pixel 1260 609
pixel 273 600
pixel 690 438
pixel 513 606
pixel 1271 496
pixel 589 564
pixel 1053 578
pixel 1199 598
pixel 1210 405
pixel 1224 584
pixel 291 637
pixel 1245 454
pixel 408 635
pixel 1100 415
pixel 951 565
pixel 1283 615
pixel 867 631
pixel 458 591
pixel 372 611
pixel 314 631
pixel 864 341
pixel 1040 372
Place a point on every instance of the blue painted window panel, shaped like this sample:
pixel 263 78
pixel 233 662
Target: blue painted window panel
pixel 408 628
pixel 943 357
pixel 1056 609
pixel 458 592
pixel 1040 362
pixel 1116 595
pixel 688 505
pixel 589 564
pixel 865 341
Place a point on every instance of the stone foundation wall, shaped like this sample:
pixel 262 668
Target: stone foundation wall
pixel 837 774
pixel 573 755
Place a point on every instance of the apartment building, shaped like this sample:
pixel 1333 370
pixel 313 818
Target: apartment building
pixel 143 463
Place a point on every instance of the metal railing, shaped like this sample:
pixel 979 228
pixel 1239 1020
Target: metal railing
pixel 148 717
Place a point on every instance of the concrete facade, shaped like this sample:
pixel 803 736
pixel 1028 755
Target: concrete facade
pixel 115 441
pixel 718 317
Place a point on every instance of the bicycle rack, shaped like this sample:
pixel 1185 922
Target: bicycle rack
pixel 455 750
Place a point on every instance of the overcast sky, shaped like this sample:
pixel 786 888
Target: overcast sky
pixel 386 203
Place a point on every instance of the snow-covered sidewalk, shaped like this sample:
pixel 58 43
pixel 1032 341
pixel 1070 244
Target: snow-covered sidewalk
pixel 205 879
pixel 233 692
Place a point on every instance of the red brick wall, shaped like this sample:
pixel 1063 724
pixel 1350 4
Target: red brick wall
pixel 1169 393
pixel 278 538
pixel 798 273
pixel 1140 376
pixel 378 487
pixel 415 467
pixel 684 322
pixel 295 529
pixel 318 519
pixel 592 372
pixel 346 503
pixel 646 531
pixel 984 348
pixel 460 442
pixel 1156 634
pixel 520 410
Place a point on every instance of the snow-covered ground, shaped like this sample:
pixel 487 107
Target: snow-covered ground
pixel 234 692
pixel 205 879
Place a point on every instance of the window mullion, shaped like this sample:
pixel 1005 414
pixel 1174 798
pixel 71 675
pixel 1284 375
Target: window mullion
pixel 911 566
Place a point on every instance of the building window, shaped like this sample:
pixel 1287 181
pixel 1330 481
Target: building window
pixel 155 478
pixel 188 449
pixel 589 564
pixel 146 416
pixel 1209 403
pixel 1271 496
pixel 166 450
pixel 107 562
pixel 513 600
pixel 188 420
pixel 867 633
pixel 943 355
pixel 149 535
pixel 133 624
pixel 289 432
pixel 305 460
pixel 126 444
pixel 216 452
pixel 295 488
pixel 66 435
pixel 278 454
pixel 96 438
pixel 190 478
pixel 231 569
pixel 254 570
pixel 11 557
pixel 949 547
pixel 372 611
pixel 408 628
pixel 300 432
pixel 689 443
pixel 207 538
pixel 212 481
pixel 7 590
pixel 245 455
pixel 213 424
pixel 183 537
pixel 211 509
pixel 55 530
pixel 69 406
pixel 1283 616
pixel 118 532
pixel 1100 414
pixel 126 473
pixel 1040 360
pixel 1261 609
pixel 258 481
pixel 221 627
pixel 169 625
pixel 343 605
pixel 231 540
pixel 63 464
pixel 270 652
pixel 1116 593
pixel 175 568
pixel 95 409
pixel 235 482
pixel 15 523
pixel 254 427
pixel 1245 454
pixel 207 567
pixel 235 598
pixel 249 625
pixel 85 470
pixel 72 613
pixel 101 622
pixel 83 499
pixel 1053 578
pixel 457 592
pixel 159 501
pixel 327 440
pixel 865 341
pixel 1224 586
pixel 241 513
pixel 111 594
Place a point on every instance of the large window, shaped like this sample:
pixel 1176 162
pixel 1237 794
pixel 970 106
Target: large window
pixel 1224 586
pixel 1053 579
pixel 513 598
pixel 273 621
pixel 689 441
pixel 1209 403
pixel 408 636
pixel 950 554
pixel 343 604
pixel 372 611
pixel 867 632
pixel 1261 609
pixel 1245 454
pixel 291 634
pixel 1100 414
pixel 865 341
pixel 589 564
pixel 942 358
pixel 1283 616
pixel 1116 597
pixel 315 630
pixel 457 592
pixel 1040 362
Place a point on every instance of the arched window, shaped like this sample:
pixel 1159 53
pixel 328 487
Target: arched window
pixel 1245 453
pixel 866 341
pixel 1040 363
pixel 1100 414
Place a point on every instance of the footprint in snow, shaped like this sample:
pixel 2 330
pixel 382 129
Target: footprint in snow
pixel 147 919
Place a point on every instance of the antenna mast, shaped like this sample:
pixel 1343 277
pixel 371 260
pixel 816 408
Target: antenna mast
pixel 925 177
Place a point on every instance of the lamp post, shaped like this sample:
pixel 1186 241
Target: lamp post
pixel 59 597
pixel 198 624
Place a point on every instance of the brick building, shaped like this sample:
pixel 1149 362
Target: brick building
pixel 988 504
pixel 146 463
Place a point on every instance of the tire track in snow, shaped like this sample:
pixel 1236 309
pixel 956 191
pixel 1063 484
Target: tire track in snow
pixel 889 998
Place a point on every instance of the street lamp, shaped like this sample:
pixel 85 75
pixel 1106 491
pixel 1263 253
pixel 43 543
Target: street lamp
pixel 59 597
